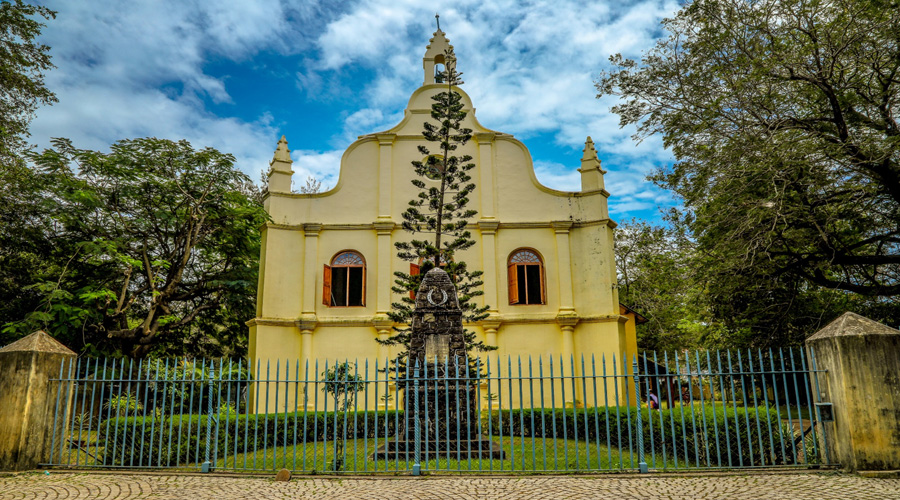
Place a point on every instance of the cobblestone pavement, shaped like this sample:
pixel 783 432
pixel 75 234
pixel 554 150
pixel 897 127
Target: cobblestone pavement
pixel 823 486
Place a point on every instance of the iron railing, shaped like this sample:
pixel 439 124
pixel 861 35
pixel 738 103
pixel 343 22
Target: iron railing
pixel 729 409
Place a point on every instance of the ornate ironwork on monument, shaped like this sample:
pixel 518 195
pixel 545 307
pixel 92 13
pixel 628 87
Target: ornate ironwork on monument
pixel 441 383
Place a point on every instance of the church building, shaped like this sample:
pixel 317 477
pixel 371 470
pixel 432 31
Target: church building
pixel 327 259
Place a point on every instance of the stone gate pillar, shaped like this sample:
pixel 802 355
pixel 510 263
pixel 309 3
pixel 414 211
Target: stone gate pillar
pixel 862 359
pixel 27 400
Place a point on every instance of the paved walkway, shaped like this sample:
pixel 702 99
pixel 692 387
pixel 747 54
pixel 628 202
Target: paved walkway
pixel 823 486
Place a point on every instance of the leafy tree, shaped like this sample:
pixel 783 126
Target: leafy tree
pixel 22 63
pixel 343 384
pixel 653 265
pixel 782 116
pixel 440 209
pixel 152 247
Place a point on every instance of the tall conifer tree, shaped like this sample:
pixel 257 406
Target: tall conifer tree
pixel 440 211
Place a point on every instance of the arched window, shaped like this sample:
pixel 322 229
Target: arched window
pixel 344 282
pixel 526 277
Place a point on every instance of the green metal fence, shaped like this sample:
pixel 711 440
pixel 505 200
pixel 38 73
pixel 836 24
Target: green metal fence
pixel 658 411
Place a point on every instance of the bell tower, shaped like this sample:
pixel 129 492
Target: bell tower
pixel 434 54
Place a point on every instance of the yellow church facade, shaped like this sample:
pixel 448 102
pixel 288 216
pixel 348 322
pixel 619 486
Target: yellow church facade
pixel 327 259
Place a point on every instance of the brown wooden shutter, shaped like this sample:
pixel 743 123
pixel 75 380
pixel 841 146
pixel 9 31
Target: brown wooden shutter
pixel 413 271
pixel 513 280
pixel 363 286
pixel 543 297
pixel 326 285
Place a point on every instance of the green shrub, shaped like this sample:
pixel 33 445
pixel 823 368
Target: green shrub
pixel 180 439
pixel 663 433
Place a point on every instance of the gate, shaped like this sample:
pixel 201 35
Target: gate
pixel 657 412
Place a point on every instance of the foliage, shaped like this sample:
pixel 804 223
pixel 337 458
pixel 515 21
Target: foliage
pixel 655 278
pixel 440 209
pixel 152 247
pixel 695 442
pixel 22 66
pixel 124 404
pixel 312 186
pixel 343 384
pixel 782 116
pixel 181 439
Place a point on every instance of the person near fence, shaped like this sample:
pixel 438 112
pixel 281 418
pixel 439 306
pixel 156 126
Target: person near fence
pixel 652 401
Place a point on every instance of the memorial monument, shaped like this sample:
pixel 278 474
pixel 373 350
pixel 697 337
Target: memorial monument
pixel 440 383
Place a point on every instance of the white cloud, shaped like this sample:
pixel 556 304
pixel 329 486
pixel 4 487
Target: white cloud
pixel 139 69
pixel 136 69
pixel 323 165
pixel 529 69
pixel 557 176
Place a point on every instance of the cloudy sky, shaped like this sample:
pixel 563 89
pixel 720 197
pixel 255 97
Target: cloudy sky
pixel 238 75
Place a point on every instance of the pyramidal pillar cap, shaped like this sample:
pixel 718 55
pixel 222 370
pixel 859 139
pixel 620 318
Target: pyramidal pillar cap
pixel 39 341
pixel 851 324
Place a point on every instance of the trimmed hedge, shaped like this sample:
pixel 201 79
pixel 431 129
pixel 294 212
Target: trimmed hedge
pixel 181 439
pixel 738 443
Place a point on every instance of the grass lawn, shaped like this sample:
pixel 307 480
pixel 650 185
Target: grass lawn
pixel 521 454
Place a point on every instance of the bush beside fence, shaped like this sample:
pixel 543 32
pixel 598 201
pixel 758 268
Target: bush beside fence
pixel 153 441
pixel 712 428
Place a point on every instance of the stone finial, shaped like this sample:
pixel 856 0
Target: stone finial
pixel 589 152
pixel 282 153
pixel 280 168
pixel 39 341
pixel 591 172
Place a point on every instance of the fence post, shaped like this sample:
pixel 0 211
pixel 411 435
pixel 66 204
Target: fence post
pixel 417 431
pixel 642 464
pixel 207 465
pixel 31 414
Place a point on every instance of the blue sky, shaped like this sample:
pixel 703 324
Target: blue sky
pixel 238 75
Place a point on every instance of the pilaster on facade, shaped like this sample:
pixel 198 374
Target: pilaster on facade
pixel 488 226
pixel 488 229
pixel 484 137
pixel 310 269
pixel 491 325
pixel 487 182
pixel 564 264
pixel 562 226
pixel 312 229
pixel 386 139
pixel 384 226
pixel 385 168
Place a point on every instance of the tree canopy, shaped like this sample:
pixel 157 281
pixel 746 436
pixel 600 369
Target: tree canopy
pixel 151 247
pixel 22 66
pixel 782 115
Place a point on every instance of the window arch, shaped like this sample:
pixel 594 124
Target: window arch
pixel 525 277
pixel 344 283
